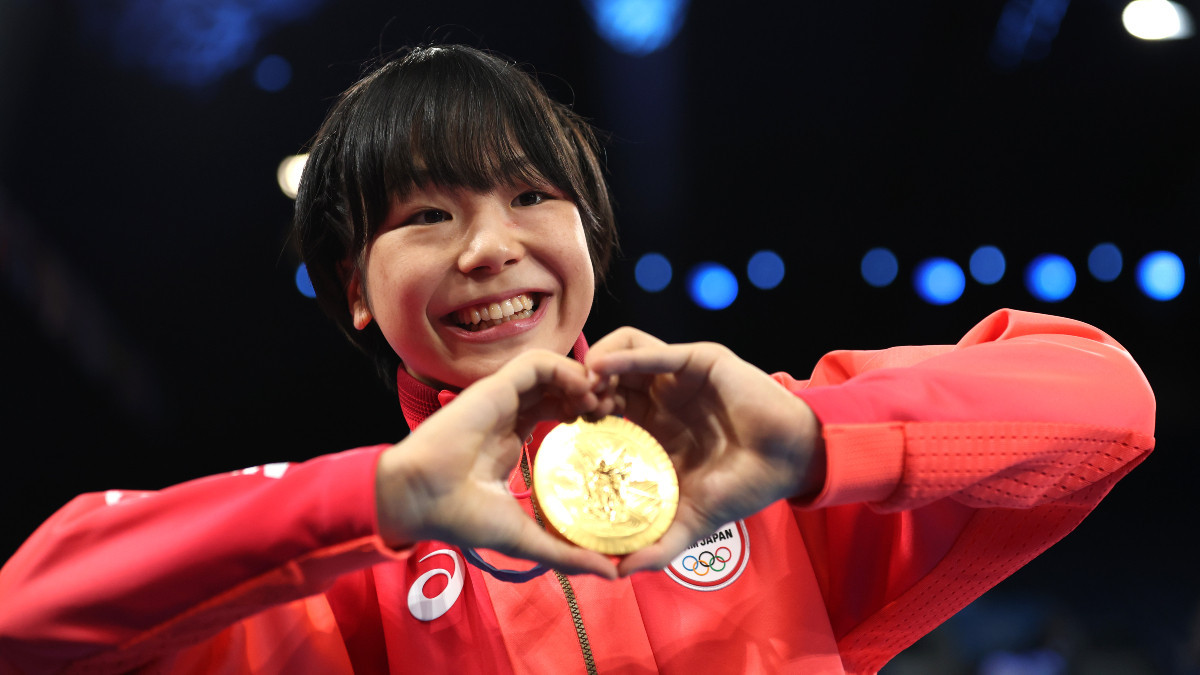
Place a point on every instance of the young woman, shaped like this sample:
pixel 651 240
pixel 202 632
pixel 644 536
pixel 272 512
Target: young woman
pixel 455 222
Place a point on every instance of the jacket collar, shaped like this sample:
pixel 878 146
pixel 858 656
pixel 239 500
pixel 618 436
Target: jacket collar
pixel 419 400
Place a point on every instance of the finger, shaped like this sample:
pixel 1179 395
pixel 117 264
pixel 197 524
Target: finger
pixel 532 385
pixel 554 406
pixel 602 384
pixel 690 525
pixel 659 554
pixel 537 545
pixel 647 360
pixel 606 405
pixel 539 371
pixel 620 340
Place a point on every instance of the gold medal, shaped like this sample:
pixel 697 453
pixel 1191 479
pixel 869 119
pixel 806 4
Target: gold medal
pixel 608 486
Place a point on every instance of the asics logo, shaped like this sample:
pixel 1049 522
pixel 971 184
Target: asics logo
pixel 428 609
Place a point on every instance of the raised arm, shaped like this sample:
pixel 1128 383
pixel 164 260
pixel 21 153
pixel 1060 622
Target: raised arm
pixel 125 575
pixel 950 467
pixel 116 579
pixel 919 476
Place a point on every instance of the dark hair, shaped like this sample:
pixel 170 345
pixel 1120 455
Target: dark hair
pixel 452 116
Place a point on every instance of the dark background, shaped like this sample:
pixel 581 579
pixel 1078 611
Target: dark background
pixel 152 331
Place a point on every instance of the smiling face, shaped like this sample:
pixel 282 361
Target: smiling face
pixel 395 182
pixel 460 281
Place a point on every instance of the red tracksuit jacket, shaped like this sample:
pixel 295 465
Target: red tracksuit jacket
pixel 949 467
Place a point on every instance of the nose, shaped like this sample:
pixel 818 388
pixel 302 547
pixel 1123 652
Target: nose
pixel 492 242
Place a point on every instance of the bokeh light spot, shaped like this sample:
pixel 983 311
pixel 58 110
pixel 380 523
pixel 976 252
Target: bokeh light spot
pixel 1050 277
pixel 987 265
pixel 879 267
pixel 1157 20
pixel 765 269
pixel 712 286
pixel 272 73
pixel 638 27
pixel 1105 262
pixel 1160 275
pixel 289 172
pixel 939 281
pixel 653 272
pixel 303 283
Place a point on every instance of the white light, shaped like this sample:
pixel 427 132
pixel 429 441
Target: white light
pixel 1157 20
pixel 289 172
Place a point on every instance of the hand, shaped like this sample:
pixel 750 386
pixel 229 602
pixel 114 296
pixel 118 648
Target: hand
pixel 448 479
pixel 739 440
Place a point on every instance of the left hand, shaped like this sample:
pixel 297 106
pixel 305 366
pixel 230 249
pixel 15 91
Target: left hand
pixel 447 480
pixel 739 440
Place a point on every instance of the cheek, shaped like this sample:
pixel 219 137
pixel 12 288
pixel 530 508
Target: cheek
pixel 576 253
pixel 587 269
pixel 395 292
pixel 582 276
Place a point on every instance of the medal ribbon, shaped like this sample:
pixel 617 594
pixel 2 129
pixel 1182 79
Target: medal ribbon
pixel 510 576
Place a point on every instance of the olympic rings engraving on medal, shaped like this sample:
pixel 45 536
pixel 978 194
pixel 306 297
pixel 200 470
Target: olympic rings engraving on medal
pixel 700 565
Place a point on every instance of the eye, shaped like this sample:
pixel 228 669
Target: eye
pixel 531 198
pixel 428 217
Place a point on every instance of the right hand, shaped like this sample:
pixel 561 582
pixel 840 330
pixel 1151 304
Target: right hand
pixel 448 479
pixel 739 440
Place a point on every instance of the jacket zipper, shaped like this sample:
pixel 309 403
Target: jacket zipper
pixel 589 662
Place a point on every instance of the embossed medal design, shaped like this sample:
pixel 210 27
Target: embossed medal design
pixel 608 486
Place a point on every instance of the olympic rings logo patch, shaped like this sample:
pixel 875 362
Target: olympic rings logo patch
pixel 715 561
pixel 700 565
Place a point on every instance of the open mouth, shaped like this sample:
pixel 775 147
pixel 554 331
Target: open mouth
pixel 482 317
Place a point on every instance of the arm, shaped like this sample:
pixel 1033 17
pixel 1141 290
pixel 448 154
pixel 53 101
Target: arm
pixel 150 572
pixel 920 476
pixel 970 459
pixel 117 579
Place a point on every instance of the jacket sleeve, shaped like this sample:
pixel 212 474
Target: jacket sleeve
pixel 120 577
pixel 950 467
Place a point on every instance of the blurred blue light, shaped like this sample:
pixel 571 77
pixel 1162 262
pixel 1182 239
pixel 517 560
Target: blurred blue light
pixel 1025 30
pixel 712 286
pixel 765 269
pixel 1050 277
pixel 1105 262
pixel 273 73
pixel 303 283
pixel 879 267
pixel 1039 662
pixel 653 272
pixel 189 42
pixel 637 27
pixel 987 265
pixel 939 281
pixel 1160 275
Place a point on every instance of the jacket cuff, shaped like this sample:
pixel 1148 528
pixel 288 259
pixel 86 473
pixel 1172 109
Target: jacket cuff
pixel 864 462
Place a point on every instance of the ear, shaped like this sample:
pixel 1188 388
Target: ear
pixel 356 299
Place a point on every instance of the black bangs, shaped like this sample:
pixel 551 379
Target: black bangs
pixel 456 121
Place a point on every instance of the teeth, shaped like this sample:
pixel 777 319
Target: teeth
pixel 493 314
